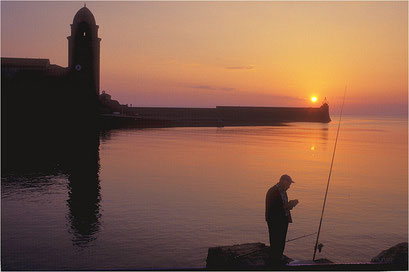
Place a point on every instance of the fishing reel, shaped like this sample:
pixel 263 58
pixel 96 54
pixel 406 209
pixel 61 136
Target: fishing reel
pixel 320 246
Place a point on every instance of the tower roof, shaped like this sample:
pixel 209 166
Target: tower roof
pixel 84 15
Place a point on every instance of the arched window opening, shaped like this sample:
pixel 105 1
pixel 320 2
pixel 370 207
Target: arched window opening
pixel 83 31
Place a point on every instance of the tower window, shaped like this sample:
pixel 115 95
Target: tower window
pixel 84 34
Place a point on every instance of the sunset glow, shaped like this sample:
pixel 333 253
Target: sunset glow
pixel 164 135
pixel 231 53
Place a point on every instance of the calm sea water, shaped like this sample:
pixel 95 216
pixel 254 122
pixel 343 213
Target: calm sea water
pixel 162 197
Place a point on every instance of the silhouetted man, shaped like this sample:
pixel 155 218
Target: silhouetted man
pixel 278 216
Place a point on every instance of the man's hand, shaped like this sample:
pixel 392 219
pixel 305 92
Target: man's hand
pixel 292 203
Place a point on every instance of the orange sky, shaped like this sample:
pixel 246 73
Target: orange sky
pixel 204 54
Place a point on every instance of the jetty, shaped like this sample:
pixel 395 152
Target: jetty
pixel 219 116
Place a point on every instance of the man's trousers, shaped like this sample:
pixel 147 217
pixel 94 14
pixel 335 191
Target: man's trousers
pixel 277 233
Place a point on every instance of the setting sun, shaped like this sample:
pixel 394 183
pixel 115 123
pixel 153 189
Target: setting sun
pixel 314 99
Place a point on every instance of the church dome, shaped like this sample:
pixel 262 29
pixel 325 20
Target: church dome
pixel 84 15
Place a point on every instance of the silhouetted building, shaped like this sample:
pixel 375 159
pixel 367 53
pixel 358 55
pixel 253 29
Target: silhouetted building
pixel 84 48
pixel 45 106
pixel 13 66
pixel 83 57
pixel 105 97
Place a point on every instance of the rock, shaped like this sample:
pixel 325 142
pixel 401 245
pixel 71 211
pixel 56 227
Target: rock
pixel 310 262
pixel 301 262
pixel 254 256
pixel 323 260
pixel 242 256
pixel 397 254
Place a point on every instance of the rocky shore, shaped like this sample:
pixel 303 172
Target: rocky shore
pixel 254 256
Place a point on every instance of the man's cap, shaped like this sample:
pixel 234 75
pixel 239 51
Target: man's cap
pixel 287 178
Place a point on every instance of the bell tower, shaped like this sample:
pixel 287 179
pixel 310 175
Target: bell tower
pixel 84 49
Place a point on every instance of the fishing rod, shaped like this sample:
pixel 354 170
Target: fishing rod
pixel 329 178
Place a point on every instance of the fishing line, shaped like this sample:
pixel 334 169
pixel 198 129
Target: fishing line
pixel 290 240
pixel 329 176
pixel 262 249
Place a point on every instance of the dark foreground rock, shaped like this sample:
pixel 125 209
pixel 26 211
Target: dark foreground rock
pixel 251 255
pixel 397 254
pixel 255 256
pixel 243 256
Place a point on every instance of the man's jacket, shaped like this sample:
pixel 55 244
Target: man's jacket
pixel 274 206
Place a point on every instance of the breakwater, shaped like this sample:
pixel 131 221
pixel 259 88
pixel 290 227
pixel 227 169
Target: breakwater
pixel 219 116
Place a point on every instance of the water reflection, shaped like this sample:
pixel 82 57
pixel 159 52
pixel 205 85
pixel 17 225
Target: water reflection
pixel 324 132
pixel 84 191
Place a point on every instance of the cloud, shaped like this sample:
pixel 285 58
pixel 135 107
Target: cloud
pixel 212 88
pixel 240 67
pixel 204 87
pixel 227 89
